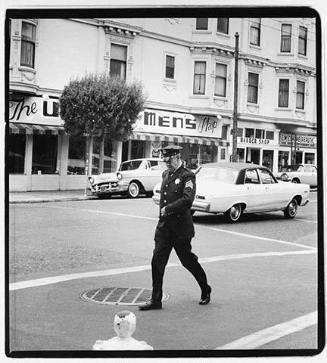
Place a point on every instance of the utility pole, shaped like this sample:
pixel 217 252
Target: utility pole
pixel 234 155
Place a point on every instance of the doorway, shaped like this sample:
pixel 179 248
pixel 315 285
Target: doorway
pixel 253 155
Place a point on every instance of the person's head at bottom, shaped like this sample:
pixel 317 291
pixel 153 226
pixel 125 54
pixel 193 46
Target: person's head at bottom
pixel 124 324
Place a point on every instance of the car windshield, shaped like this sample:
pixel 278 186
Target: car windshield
pixel 226 175
pixel 130 165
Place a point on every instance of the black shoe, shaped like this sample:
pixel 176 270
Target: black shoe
pixel 151 305
pixel 205 296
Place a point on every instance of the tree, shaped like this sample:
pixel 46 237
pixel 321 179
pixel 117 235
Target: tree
pixel 97 105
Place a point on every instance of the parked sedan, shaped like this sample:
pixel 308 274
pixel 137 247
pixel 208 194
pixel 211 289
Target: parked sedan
pixel 299 173
pixel 237 188
pixel 133 177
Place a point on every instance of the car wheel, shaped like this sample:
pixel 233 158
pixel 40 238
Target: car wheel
pixel 133 190
pixel 234 213
pixel 291 209
pixel 296 181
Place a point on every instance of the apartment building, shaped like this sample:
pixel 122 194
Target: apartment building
pixel 187 68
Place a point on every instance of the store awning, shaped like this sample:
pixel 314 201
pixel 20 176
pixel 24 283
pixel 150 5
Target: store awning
pixel 142 136
pixel 19 128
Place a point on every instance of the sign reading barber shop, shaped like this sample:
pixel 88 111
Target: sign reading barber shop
pixel 177 123
pixel 35 110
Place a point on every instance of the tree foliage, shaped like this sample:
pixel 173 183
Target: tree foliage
pixel 97 104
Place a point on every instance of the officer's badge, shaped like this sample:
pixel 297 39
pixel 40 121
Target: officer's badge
pixel 189 184
pixel 177 181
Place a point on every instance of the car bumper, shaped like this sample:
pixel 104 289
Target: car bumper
pixel 107 189
pixel 201 206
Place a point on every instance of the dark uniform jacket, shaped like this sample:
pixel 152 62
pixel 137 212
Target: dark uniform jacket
pixel 177 195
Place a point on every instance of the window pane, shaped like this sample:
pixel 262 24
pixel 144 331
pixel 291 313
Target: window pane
pixel 118 52
pixel 44 154
pixel 259 134
pixel 27 54
pixel 283 93
pixel 221 70
pixel 286 32
pixel 201 23
pixel 199 78
pixel 117 69
pixel 110 157
pixel 300 95
pixel 170 65
pixel 76 155
pixel 270 135
pixel 253 87
pixel 249 132
pixel 220 80
pixel 302 40
pixel 16 154
pixel 28 31
pixel 222 25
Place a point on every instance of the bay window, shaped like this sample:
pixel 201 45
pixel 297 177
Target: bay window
pixel 199 78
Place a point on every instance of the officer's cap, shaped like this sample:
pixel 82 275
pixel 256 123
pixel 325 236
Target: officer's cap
pixel 171 150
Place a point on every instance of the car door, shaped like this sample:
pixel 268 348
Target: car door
pixel 309 175
pixel 254 191
pixel 275 193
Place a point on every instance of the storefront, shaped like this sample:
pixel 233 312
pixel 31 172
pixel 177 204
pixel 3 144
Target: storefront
pixel 258 145
pixel 199 136
pixel 296 149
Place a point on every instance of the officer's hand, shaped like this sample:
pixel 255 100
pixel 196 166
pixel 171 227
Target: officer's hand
pixel 163 212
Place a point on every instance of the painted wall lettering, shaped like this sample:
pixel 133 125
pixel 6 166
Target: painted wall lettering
pixel 19 108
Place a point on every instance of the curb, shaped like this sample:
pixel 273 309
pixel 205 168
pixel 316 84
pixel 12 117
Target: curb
pixel 50 200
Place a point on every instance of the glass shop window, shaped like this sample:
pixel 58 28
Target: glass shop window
pixel 109 157
pixel 249 132
pixel 76 155
pixel 270 135
pixel 44 159
pixel 16 154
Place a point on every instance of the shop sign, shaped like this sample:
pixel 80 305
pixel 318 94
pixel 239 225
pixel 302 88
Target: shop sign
pixel 252 140
pixel 177 123
pixel 35 110
pixel 301 140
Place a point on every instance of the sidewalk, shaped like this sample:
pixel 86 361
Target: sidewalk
pixel 48 196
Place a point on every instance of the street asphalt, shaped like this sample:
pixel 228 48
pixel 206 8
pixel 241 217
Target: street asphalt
pixel 249 293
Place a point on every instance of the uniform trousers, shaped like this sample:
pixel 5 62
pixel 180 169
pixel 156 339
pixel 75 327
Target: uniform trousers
pixel 189 260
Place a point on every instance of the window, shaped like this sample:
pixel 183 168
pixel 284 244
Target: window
pixel 224 132
pixel 27 53
pixel 266 177
pixel 222 25
pixel 259 134
pixel 270 135
pixel 118 56
pixel 199 78
pixel 223 154
pixel 300 87
pixel 130 165
pixel 201 24
pixel 16 154
pixel 255 27
pixel 251 177
pixel 249 132
pixel 283 93
pixel 170 66
pixel 220 80
pixel 44 158
pixel 285 41
pixel 253 80
pixel 303 33
pixel 76 155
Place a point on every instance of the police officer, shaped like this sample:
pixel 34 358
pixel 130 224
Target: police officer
pixel 175 227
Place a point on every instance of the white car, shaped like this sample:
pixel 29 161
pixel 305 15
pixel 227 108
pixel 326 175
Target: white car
pixel 237 188
pixel 133 178
pixel 299 173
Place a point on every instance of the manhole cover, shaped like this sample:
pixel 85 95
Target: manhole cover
pixel 119 295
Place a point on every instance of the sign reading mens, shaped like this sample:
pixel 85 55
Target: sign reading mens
pixel 176 123
pixel 35 110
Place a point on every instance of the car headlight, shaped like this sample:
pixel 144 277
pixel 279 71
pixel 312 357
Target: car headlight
pixel 91 179
pixel 119 176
